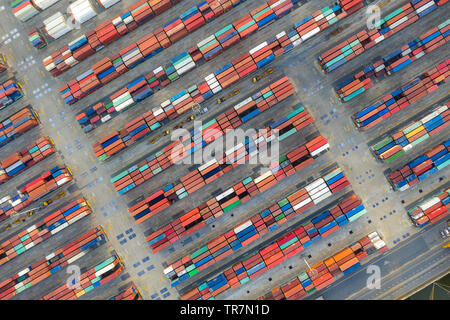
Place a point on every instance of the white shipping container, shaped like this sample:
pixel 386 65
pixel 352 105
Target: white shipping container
pixel 59 228
pixel 76 257
pixel 82 11
pixel 427 205
pixel 44 4
pixel 107 3
pixel 311 33
pixel 78 217
pixel 397 23
pixel 243 226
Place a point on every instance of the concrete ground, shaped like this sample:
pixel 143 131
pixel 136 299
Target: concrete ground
pixel 349 149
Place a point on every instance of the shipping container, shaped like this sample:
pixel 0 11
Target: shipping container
pixel 34 190
pixel 264 222
pixel 394 62
pixel 22 160
pixel 51 263
pixel 431 210
pixel 395 145
pixel 43 229
pixel 89 280
pixel 402 97
pixel 420 168
pixel 384 28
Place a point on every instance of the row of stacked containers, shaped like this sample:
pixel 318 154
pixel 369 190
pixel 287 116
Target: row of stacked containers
pixel 383 29
pixel 421 168
pixel 403 97
pixel 34 190
pixel 397 144
pixel 432 209
pixel 109 69
pixel 150 121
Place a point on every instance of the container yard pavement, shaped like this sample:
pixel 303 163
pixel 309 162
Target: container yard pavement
pixel 385 211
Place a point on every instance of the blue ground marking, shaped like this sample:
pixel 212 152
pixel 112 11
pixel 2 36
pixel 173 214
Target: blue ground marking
pixel 163 290
pixel 132 236
pixel 93 169
pixel 140 273
pixel 150 267
pixel 84 174
pixel 106 213
pixel 158 298
pixel 166 295
pixel 68 146
pixel 99 179
pixel 124 277
pixel 137 264
pixel 77 141
pixel 113 203
pixel 80 146
pixel 116 208
pixel 103 208
pixel 90 185
pixel 119 236
pixel 145 259
pixel 123 241
pixel 129 231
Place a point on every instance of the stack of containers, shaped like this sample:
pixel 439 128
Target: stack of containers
pixel 212 45
pixel 130 293
pixel 105 33
pixel 43 229
pixel 402 97
pixel 81 11
pixel 51 263
pixel 92 278
pixel 392 147
pixel 328 271
pixel 224 77
pixel 23 9
pixel 207 212
pixel 156 163
pixel 10 92
pixel 20 161
pixel 36 189
pixel 431 210
pixel 421 168
pixel 36 39
pixel 170 33
pixel 260 224
pixel 105 4
pixel 44 4
pixel 56 26
pixel 230 119
pixel 395 61
pixel 150 121
pixel 17 124
pixel 211 171
pixel 272 255
pixel 386 27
